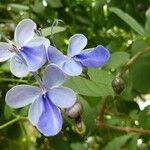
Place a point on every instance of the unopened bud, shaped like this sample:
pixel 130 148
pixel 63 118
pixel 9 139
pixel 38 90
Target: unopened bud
pixel 74 111
pixel 118 85
pixel 80 126
pixel 78 122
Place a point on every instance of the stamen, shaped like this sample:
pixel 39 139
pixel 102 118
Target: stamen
pixel 38 79
pixel 5 38
pixel 55 24
pixel 13 48
pixel 38 32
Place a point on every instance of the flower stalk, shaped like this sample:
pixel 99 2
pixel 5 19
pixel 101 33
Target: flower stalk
pixel 12 121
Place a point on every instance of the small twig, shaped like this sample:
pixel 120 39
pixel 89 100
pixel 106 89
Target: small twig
pixel 131 61
pixel 100 123
pixel 123 129
pixel 102 109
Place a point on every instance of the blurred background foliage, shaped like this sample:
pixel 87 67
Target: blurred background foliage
pixel 124 28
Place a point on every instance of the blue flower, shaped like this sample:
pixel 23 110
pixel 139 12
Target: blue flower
pixel 28 52
pixel 76 59
pixel 44 112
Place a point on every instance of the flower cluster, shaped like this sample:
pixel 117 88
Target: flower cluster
pixel 28 53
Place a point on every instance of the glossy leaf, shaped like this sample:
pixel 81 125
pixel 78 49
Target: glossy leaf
pixel 128 20
pixel 47 31
pixel 78 146
pixel 87 87
pixel 140 74
pixel 117 142
pixel 144 118
pixel 8 111
pixel 133 143
pixel 102 78
pixel 147 24
pixel 117 59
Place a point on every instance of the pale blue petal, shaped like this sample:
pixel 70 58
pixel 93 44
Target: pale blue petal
pixel 93 57
pixel 76 43
pixel 18 67
pixel 24 32
pixel 53 76
pixel 35 57
pixel 37 41
pixel 62 97
pixel 50 121
pixel 5 53
pixel 72 67
pixel 36 110
pixel 55 56
pixel 21 95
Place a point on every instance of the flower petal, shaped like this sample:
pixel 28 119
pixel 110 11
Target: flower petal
pixel 93 57
pixel 53 76
pixel 21 95
pixel 55 56
pixel 76 43
pixel 62 97
pixel 50 121
pixel 18 67
pixel 24 31
pixel 37 41
pixel 36 110
pixel 72 68
pixel 5 53
pixel 35 57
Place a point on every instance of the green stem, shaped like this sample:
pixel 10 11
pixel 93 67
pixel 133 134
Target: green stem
pixel 102 109
pixel 12 80
pixel 132 61
pixel 12 121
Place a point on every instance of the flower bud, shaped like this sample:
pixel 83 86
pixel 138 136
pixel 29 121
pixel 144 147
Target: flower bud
pixel 74 111
pixel 78 122
pixel 80 126
pixel 118 85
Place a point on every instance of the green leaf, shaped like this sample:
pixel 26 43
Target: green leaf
pixel 78 146
pixel 144 118
pixel 128 93
pixel 117 59
pixel 7 111
pixel 38 8
pixel 87 87
pixel 133 143
pixel 128 20
pixel 24 111
pixel 138 45
pixel 117 143
pixel 115 120
pixel 134 114
pixel 18 7
pixel 115 45
pixel 102 78
pixel 47 31
pixel 89 113
pixel 55 3
pixel 57 143
pixel 147 24
pixel 140 74
pixel 92 101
